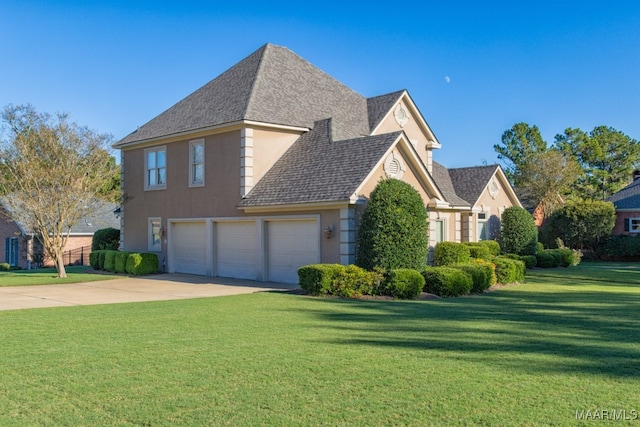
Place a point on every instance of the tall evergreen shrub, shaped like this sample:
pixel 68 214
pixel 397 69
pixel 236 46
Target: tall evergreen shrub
pixel 518 232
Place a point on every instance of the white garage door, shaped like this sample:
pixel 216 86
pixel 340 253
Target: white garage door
pixel 291 244
pixel 236 250
pixel 189 247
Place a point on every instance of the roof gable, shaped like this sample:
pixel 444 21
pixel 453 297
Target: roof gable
pixel 272 85
pixel 627 198
pixel 470 182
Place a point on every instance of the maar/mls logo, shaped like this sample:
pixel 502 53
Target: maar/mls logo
pixel 607 415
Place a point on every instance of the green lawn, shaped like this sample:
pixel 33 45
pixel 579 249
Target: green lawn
pixel 47 276
pixel 531 354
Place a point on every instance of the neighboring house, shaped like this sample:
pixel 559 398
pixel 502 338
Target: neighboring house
pixel 22 249
pixel 627 204
pixel 269 166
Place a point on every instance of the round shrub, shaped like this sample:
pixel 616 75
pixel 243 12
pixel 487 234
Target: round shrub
pixel 354 282
pixel 447 281
pixel 5 266
pixel 478 251
pixel 482 275
pixel 142 263
pixel 545 260
pixel 394 229
pixel 110 261
pixel 530 261
pixel 404 283
pixel 450 253
pixel 94 260
pixel 494 247
pixel 509 270
pixel 121 262
pixel 106 238
pixel 518 232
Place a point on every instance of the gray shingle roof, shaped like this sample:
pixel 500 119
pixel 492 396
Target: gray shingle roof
pixel 272 85
pixel 379 106
pixel 628 197
pixel 443 180
pixel 470 182
pixel 317 169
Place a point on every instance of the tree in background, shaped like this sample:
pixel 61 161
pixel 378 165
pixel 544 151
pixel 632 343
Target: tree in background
pixel 50 170
pixel 580 224
pixel 606 156
pixel 518 232
pixel 520 146
pixel 110 191
pixel 394 228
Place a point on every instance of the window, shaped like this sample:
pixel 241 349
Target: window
pixel 155 235
pixel 196 163
pixel 11 251
pixel 440 231
pixel 156 168
pixel 632 225
pixel 483 226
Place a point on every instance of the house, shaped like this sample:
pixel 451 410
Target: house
pixel 22 249
pixel 269 166
pixel 627 204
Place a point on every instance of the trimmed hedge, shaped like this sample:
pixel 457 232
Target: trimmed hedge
pixel 479 251
pixel 494 246
pixel 545 260
pixel 316 279
pixel 509 270
pixel 121 261
pixel 447 281
pixel 404 283
pixel 530 261
pixel 94 260
pixel 5 266
pixel 101 257
pixel 483 275
pixel 353 282
pixel 142 263
pixel 105 238
pixel 620 248
pixel 450 253
pixel 110 261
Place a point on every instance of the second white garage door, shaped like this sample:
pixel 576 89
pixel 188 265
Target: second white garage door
pixel 236 250
pixel 291 244
pixel 189 247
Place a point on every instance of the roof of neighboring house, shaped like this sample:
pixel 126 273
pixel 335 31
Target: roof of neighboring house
pixel 442 177
pixel 470 182
pixel 101 216
pixel 318 169
pixel 253 90
pixel 628 197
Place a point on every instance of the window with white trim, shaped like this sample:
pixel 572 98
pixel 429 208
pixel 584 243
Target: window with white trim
pixel 155 165
pixel 196 163
pixel 440 235
pixel 155 234
pixel 483 227
pixel 632 225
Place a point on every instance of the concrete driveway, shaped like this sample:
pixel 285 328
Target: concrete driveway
pixel 130 289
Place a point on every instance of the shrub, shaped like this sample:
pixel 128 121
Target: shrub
pixel 106 238
pixel 447 281
pixel 121 262
pixel 482 275
pixel 518 233
pixel 142 263
pixel 404 283
pixel 539 247
pixel 110 260
pixel 545 260
pixel 450 253
pixel 394 229
pixel 5 266
pixel 620 248
pixel 101 257
pixel 317 279
pixel 94 259
pixel 530 261
pixel 493 246
pixel 477 250
pixel 509 270
pixel 353 281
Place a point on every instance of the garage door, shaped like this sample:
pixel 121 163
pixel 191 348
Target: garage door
pixel 189 247
pixel 236 250
pixel 291 244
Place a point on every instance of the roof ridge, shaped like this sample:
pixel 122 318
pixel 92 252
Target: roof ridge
pixel 256 77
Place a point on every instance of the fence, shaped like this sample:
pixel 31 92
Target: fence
pixel 78 256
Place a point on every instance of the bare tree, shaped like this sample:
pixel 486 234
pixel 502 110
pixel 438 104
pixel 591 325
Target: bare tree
pixel 51 169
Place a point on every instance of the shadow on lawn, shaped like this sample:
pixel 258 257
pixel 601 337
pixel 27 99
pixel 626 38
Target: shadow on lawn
pixel 565 331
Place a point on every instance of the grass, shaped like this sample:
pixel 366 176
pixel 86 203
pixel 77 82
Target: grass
pixel 530 354
pixel 47 276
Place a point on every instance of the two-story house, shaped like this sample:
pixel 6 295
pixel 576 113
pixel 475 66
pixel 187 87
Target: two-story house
pixel 268 167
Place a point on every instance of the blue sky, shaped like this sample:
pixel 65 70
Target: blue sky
pixel 474 69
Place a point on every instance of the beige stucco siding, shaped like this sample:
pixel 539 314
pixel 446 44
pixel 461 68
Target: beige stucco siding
pixel 268 147
pixel 492 206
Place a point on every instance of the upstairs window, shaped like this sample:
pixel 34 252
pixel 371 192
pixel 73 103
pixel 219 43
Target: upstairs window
pixel 196 163
pixel 155 168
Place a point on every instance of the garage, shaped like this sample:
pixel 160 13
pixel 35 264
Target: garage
pixel 291 244
pixel 236 249
pixel 189 248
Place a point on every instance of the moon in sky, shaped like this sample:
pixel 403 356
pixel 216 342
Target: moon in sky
pixel 447 79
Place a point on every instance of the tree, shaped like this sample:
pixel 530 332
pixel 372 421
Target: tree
pixel 394 229
pixel 518 232
pixel 110 191
pixel 547 179
pixel 520 145
pixel 580 224
pixel 607 158
pixel 50 171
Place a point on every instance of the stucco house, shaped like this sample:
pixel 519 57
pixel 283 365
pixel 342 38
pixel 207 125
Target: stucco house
pixel 269 166
pixel 627 204
pixel 22 249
